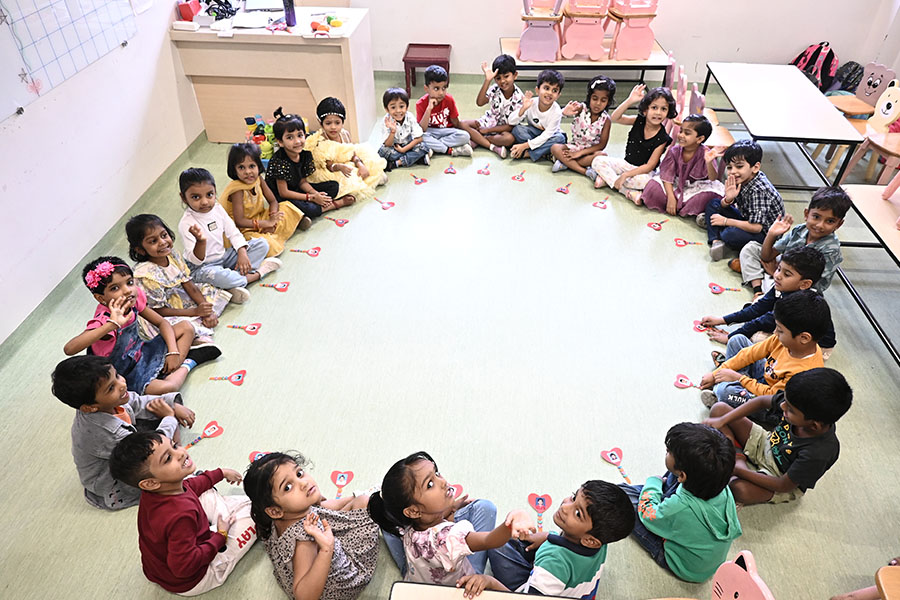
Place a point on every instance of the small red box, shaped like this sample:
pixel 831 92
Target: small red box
pixel 188 9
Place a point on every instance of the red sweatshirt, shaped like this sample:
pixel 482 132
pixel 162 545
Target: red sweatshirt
pixel 176 542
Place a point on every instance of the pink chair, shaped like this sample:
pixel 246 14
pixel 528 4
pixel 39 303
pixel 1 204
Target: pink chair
pixel 540 39
pixel 583 31
pixel 669 77
pixel 738 579
pixel 635 40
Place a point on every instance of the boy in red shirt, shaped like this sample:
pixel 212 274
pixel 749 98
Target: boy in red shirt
pixel 439 118
pixel 179 550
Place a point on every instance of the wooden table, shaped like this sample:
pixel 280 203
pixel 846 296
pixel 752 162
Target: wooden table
pixel 887 579
pixel 778 103
pixel 257 71
pixel 851 105
pixel 658 61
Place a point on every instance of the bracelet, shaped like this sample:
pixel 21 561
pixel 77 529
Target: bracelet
pixel 116 323
pixel 255 224
pixel 726 222
pixel 224 533
pixel 172 353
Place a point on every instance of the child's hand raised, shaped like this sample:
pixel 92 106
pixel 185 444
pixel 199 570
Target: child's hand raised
pixel 390 123
pixel 489 73
pixel 732 189
pixel 528 100
pixel 324 537
pixel 195 231
pixel 637 93
pixel 159 408
pixel 184 415
pixel 781 225
pixel 572 108
pixel 713 153
pixel 117 309
pixel 519 524
pixel 232 476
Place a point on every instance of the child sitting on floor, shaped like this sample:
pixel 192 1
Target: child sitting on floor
pixel 798 269
pixel 750 204
pixel 824 215
pixel 402 144
pixel 779 466
pixel 536 124
pixel 689 173
pixel 166 280
pixel 751 370
pixel 179 551
pixel 568 564
pixel 492 130
pixel 251 204
pixel 417 503
pixel 291 166
pixel 204 227
pixel 687 518
pixel 356 167
pixel 590 129
pixel 155 367
pixel 106 412
pixel 318 547
pixel 647 140
pixel 438 116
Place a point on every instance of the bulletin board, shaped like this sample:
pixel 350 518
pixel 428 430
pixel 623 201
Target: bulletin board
pixel 45 42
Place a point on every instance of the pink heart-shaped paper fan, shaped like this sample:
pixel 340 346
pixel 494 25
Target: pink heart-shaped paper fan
pixel 457 490
pixel 212 430
pixel 341 478
pixel 613 456
pixel 535 500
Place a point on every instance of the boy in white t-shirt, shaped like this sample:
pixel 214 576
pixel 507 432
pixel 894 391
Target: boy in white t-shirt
pixel 537 124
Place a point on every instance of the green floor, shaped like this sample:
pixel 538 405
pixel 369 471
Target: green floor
pixel 511 331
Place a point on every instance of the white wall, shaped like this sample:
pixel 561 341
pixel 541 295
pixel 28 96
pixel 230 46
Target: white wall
pixel 696 30
pixel 79 157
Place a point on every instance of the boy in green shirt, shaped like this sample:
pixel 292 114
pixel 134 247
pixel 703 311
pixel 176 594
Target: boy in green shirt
pixel 688 518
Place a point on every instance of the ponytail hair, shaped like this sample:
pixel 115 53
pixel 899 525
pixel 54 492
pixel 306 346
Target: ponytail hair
pixel 386 507
pixel 258 486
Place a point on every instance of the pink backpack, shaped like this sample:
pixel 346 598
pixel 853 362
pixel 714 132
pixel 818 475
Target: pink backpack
pixel 819 63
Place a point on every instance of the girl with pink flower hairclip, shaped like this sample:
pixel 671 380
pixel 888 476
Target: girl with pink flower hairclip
pixel 155 367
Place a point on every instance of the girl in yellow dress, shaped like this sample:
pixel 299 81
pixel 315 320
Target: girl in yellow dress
pixel 356 167
pixel 251 204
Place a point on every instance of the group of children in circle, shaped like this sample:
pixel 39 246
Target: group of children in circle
pixel 154 323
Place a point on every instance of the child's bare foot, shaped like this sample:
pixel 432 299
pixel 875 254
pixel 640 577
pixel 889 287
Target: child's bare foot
pixel 718 336
pixel 344 201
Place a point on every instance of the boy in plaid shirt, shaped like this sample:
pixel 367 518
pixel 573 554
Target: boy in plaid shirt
pixel 750 206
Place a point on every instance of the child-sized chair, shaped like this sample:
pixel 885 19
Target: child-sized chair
pixel 738 579
pixel 634 41
pixel 539 41
pixel 583 31
pixel 878 140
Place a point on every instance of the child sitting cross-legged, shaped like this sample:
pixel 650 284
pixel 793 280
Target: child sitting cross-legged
pixel 319 548
pixel 590 129
pixel 568 564
pixel 779 466
pixel 687 518
pixel 492 130
pixel 402 144
pixel 798 269
pixel 439 118
pixel 179 551
pixel 824 215
pixel 764 368
pixel 536 124
pixel 750 204
pixel 106 412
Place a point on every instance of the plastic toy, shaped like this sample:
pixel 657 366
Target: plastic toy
pixel 715 288
pixel 341 479
pixel 237 378
pixel 682 243
pixel 683 382
pixel 519 177
pixel 614 457
pixel 338 222
pixel 564 189
pixel 266 149
pixel 450 170
pixel 211 430
pixel 484 171
pixel 281 286
pixel 656 226
pixel 540 504
pixel 251 329
pixel 257 454
pixel 419 180
pixel 314 252
pixel 384 205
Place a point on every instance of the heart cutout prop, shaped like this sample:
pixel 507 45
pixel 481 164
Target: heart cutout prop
pixel 251 329
pixel 341 478
pixel 457 490
pixel 311 252
pixel 519 177
pixel 540 503
pixel 419 180
pixel 450 170
pixel 683 382
pixel 613 456
pixel 564 189
pixel 599 204
pixel 256 455
pixel 656 226
pixel 212 430
pixel 485 170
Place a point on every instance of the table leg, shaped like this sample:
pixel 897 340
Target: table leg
pixel 408 89
pixel 850 152
pixel 706 81
pixel 642 75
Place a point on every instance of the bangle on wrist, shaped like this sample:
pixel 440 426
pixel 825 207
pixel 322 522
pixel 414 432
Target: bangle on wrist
pixel 116 323
pixel 224 534
pixel 172 353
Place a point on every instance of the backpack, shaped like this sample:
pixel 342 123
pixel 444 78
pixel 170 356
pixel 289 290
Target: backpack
pixel 847 77
pixel 819 62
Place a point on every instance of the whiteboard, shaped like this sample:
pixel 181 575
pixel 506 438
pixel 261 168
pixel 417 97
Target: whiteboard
pixel 45 42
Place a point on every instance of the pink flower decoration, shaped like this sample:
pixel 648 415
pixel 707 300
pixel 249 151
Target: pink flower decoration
pixel 98 274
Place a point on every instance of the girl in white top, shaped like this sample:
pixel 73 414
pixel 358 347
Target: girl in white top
pixel 590 129
pixel 204 227
pixel 416 502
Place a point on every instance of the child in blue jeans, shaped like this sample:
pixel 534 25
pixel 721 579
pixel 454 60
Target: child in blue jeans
pixel 536 126
pixel 401 135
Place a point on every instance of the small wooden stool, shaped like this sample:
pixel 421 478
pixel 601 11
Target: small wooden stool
pixel 424 55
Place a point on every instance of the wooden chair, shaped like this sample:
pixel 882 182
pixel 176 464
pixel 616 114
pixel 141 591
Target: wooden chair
pixel 738 579
pixel 887 580
pixel 583 31
pixel 877 138
pixel 540 39
pixel 634 41
pixel 424 55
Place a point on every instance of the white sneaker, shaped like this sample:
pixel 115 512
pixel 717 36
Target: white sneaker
pixel 717 250
pixel 558 166
pixel 426 160
pixel 239 295
pixel 268 266
pixel 464 150
pixel 701 221
pixel 708 398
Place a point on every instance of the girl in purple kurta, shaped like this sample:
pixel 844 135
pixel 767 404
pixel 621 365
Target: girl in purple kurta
pixel 688 173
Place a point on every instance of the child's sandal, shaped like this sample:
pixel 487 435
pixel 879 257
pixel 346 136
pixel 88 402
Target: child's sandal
pixel 718 358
